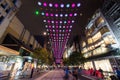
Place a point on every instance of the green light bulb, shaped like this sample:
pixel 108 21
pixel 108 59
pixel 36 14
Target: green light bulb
pixel 37 12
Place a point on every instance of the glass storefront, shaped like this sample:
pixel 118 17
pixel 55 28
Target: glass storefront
pixel 88 65
pixel 103 64
pixel 10 61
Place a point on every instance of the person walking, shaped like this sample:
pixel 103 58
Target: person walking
pixel 66 77
pixel 31 72
pixel 75 73
pixel 117 73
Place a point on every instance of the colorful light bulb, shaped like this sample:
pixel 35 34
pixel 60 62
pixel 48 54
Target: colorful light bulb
pixel 73 5
pixel 39 3
pixel 37 12
pixel 78 5
pixel 68 5
pixel 42 13
pixel 45 4
pixel 62 5
pixel 50 4
pixel 56 5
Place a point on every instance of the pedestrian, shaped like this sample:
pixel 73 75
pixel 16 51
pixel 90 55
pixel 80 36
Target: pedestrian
pixel 91 71
pixel 71 76
pixel 79 72
pixel 66 73
pixel 101 73
pixel 117 73
pixel 32 72
pixel 75 73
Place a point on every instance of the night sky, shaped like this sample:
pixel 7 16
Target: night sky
pixel 35 24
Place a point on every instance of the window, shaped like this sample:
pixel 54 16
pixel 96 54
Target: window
pixel 116 15
pixel 4 5
pixel 110 5
pixel 96 37
pixel 118 25
pixel 14 1
pixel 83 44
pixel 109 40
pixel 99 20
pixel 8 10
pixel 1 18
pixel 104 29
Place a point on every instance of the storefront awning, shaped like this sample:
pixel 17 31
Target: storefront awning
pixel 7 51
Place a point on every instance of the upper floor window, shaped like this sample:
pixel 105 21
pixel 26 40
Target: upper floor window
pixel 90 41
pixel 109 40
pixel 98 21
pixel 4 4
pixel 116 15
pixel 14 1
pixel 83 44
pixel 118 25
pixel 104 29
pixel 1 18
pixel 8 10
pixel 111 3
pixel 96 36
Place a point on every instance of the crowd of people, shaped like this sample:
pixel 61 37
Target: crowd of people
pixel 74 73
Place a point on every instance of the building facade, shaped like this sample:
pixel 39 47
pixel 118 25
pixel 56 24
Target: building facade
pixel 16 42
pixel 102 42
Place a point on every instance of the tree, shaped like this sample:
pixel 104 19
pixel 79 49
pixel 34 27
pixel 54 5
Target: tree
pixel 76 41
pixel 76 58
pixel 42 55
pixel 66 61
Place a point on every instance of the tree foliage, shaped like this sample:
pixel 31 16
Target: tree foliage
pixel 42 55
pixel 76 58
pixel 66 61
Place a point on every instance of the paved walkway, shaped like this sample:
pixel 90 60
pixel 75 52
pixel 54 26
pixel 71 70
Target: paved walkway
pixel 52 75
pixel 58 75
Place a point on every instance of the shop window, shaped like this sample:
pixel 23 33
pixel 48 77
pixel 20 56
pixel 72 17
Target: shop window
pixel 88 65
pixel 1 19
pixel 104 65
pixel 109 40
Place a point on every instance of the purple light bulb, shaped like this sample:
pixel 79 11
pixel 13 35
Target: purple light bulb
pixel 47 14
pixel 70 15
pixel 56 5
pixel 73 5
pixel 45 4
